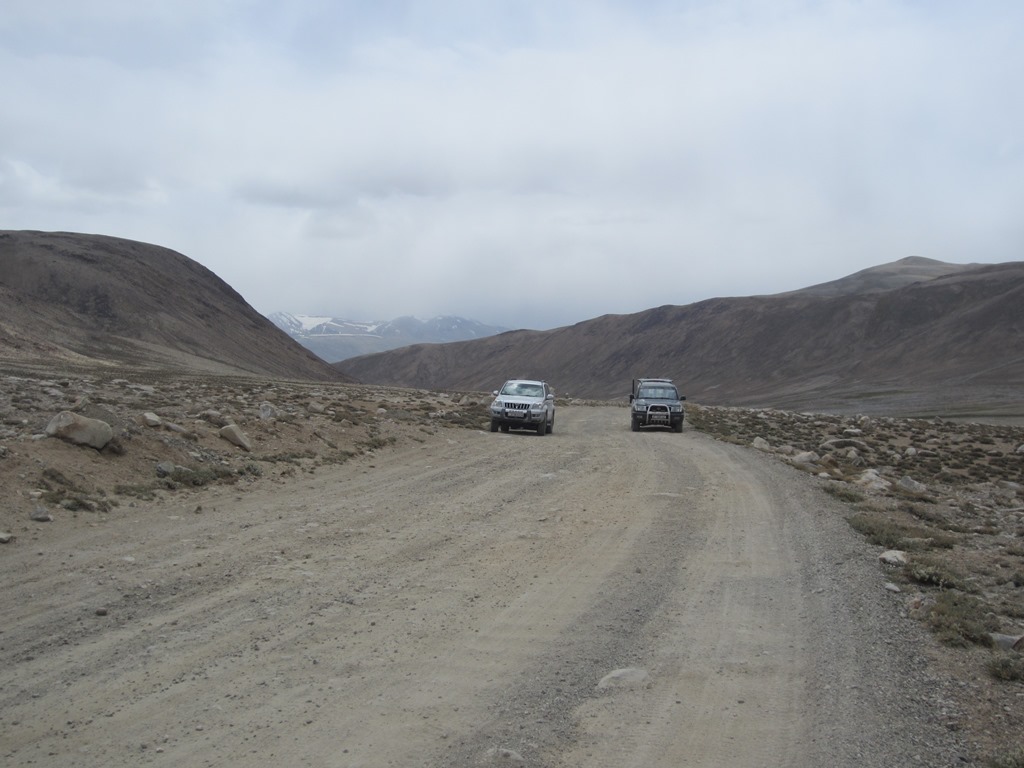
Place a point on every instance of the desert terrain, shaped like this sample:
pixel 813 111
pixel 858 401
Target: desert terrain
pixel 377 580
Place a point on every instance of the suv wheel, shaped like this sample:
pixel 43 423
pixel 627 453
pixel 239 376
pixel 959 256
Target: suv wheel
pixel 634 424
pixel 542 427
pixel 494 425
pixel 551 425
pixel 678 426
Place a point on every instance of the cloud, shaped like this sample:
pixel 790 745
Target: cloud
pixel 528 163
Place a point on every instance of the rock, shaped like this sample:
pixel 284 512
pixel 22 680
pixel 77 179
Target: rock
pixel 907 483
pixel 315 407
pixel 233 434
pixel 761 444
pixel 165 468
pixel 1007 642
pixel 871 480
pixel 150 419
pixel 80 430
pixel 806 457
pixel 893 557
pixel 6 538
pixel 844 442
pixel 890 587
pixel 267 412
pixel 216 418
pixel 41 515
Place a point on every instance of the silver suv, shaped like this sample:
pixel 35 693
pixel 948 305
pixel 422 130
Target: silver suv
pixel 523 404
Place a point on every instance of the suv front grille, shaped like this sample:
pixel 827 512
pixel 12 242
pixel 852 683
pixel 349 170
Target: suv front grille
pixel 517 406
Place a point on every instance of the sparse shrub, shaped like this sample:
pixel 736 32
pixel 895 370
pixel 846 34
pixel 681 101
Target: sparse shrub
pixel 934 573
pixel 927 514
pixel 844 493
pixel 1007 666
pixel 961 620
pixel 200 477
pixel 885 532
pixel 289 458
pixel 374 443
pixel 1011 759
pixel 143 492
pixel 877 529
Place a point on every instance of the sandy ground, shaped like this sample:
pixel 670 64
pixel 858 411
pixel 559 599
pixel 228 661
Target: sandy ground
pixel 595 597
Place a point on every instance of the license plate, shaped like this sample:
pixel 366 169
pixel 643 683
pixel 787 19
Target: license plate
pixel 515 414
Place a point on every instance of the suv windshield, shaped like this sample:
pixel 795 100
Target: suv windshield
pixel 658 393
pixel 523 390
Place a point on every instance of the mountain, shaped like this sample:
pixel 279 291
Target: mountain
pixel 74 300
pixel 951 342
pixel 335 339
pixel 912 269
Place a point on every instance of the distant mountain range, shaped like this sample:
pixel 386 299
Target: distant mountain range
pixel 335 339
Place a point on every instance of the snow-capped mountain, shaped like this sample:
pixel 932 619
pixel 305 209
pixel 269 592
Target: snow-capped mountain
pixel 334 339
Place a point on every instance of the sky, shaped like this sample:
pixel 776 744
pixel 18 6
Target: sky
pixel 524 163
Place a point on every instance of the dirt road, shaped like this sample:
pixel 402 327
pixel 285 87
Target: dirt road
pixel 595 597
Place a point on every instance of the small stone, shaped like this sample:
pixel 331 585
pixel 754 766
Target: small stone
pixel 41 515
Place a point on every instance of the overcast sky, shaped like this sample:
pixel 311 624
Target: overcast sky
pixel 527 163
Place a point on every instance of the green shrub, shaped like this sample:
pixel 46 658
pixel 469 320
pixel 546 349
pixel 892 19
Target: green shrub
pixel 932 572
pixel 1007 666
pixel 885 532
pixel 961 620
pixel 878 529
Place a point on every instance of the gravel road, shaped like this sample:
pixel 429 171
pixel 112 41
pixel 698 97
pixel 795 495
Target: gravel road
pixel 594 597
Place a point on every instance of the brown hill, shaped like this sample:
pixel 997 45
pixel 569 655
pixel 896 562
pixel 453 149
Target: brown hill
pixel 950 344
pixel 886 277
pixel 73 300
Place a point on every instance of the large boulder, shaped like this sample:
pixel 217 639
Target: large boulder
pixel 80 430
pixel 234 435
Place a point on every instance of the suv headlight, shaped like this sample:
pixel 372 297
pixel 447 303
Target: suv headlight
pixel 537 406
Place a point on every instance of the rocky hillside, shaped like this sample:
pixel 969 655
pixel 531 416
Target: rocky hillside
pixel 73 300
pixel 880 341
